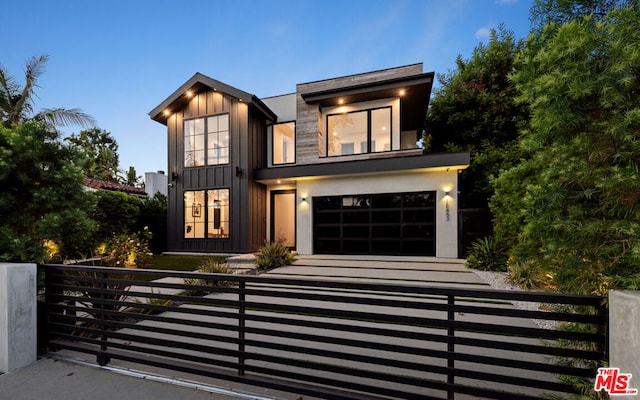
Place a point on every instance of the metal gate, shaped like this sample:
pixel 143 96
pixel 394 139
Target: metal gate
pixel 329 339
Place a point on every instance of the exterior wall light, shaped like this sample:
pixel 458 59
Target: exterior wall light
pixel 446 206
pixel 304 199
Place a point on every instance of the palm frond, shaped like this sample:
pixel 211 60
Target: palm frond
pixel 8 89
pixel 33 69
pixel 65 117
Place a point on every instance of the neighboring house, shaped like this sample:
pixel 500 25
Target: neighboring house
pixel 155 182
pixel 97 184
pixel 333 168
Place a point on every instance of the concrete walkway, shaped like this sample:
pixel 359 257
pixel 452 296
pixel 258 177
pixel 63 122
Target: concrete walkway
pixel 427 271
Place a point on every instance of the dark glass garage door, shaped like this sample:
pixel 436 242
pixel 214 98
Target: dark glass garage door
pixel 389 224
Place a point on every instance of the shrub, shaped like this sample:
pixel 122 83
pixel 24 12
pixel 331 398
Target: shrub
pixel 527 274
pixel 211 265
pixel 127 251
pixel 274 255
pixel 116 213
pixel 153 301
pixel 485 255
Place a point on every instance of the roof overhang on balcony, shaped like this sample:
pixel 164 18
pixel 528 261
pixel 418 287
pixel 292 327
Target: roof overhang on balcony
pixel 413 91
pixel 199 83
pixel 420 163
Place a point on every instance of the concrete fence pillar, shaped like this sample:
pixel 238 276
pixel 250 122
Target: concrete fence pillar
pixel 624 335
pixel 18 315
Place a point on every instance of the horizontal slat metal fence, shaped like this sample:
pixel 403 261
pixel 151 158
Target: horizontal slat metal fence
pixel 326 338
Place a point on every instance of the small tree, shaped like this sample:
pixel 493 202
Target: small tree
pixel 132 178
pixel 42 196
pixel 153 215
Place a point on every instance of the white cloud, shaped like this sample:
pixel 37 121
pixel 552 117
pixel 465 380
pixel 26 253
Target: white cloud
pixel 483 33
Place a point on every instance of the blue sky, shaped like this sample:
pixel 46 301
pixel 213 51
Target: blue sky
pixel 118 59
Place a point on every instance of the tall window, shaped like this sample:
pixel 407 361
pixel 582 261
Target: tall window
pixel 211 148
pixel 359 132
pixel 284 143
pixel 206 214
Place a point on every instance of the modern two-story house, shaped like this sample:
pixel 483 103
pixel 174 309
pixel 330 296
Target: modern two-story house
pixel 333 168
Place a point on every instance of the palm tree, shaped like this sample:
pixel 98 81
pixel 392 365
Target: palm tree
pixel 16 101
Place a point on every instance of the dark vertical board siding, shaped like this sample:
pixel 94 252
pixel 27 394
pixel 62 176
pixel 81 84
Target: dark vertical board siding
pixel 257 192
pixel 175 143
pixel 239 207
pixel 247 151
pixel 202 103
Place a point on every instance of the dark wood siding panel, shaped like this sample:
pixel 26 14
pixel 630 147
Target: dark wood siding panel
pixel 191 109
pixel 247 151
pixel 202 103
pixel 257 196
pixel 239 207
pixel 173 195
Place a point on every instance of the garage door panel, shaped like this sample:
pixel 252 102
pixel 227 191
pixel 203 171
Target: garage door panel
pixel 423 215
pixel 418 231
pixel 394 224
pixel 385 216
pixel 386 231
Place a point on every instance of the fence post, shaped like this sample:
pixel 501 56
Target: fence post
pixel 18 316
pixel 451 331
pixel 241 326
pixel 624 334
pixel 103 358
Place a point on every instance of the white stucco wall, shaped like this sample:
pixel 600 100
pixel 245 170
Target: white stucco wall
pixel 441 181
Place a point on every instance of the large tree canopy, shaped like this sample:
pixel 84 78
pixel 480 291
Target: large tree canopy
pixel 475 110
pixel 574 205
pixel 16 100
pixel 42 196
pixel 544 12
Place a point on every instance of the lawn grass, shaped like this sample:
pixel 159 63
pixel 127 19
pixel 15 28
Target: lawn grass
pixel 176 263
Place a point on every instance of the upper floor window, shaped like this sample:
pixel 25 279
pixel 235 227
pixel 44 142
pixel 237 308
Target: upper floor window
pixel 284 143
pixel 358 132
pixel 206 141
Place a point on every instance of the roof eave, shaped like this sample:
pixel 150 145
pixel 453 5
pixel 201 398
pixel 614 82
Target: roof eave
pixel 459 160
pixel 158 113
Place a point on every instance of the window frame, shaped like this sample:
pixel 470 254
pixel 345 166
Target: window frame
pixel 205 149
pixel 207 212
pixel 368 130
pixel 273 144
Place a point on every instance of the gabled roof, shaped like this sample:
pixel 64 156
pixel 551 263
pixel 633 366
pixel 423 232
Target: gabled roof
pixel 198 81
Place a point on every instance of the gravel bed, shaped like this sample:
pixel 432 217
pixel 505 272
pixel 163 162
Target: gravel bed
pixel 498 281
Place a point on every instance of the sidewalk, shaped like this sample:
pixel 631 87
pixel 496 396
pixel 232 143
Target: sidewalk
pixel 53 379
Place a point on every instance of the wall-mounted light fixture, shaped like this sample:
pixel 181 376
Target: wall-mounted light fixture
pixel 304 199
pixel 446 205
pixel 239 172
